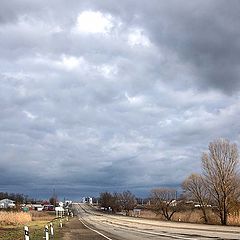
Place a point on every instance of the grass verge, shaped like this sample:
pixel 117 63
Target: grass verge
pixel 36 230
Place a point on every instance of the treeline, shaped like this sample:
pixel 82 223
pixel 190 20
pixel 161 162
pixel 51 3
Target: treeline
pixel 17 197
pixel 216 190
pixel 117 202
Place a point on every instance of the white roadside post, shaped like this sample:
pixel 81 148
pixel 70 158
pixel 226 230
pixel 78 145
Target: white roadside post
pixel 60 223
pixel 71 214
pixel 46 233
pixel 51 229
pixel 26 233
pixel 67 219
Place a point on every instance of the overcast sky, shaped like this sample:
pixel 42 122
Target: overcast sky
pixel 114 95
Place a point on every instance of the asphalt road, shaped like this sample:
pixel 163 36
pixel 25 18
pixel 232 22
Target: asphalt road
pixel 74 230
pixel 113 227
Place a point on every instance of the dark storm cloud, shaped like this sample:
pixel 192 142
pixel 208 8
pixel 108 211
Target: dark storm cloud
pixel 202 34
pixel 120 104
pixel 205 35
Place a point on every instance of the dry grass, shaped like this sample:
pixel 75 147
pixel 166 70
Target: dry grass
pixel 194 216
pixel 42 216
pixel 234 219
pixel 19 218
pixel 14 218
pixel 35 229
pixel 191 216
pixel 11 224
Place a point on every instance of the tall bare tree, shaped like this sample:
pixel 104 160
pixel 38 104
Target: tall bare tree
pixel 109 200
pixel 221 176
pixel 163 201
pixel 128 201
pixel 194 186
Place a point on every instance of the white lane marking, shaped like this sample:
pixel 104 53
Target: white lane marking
pixel 95 230
pixel 152 233
pixel 165 235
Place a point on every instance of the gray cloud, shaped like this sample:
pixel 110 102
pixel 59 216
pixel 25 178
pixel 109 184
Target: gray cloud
pixel 131 106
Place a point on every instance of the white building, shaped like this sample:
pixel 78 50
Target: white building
pixel 67 203
pixel 87 200
pixel 7 203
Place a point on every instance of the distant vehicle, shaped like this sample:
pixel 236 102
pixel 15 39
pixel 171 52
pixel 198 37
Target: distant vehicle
pixel 48 208
pixel 37 207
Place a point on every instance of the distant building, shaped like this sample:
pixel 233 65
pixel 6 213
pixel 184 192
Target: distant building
pixel 7 203
pixel 67 203
pixel 87 200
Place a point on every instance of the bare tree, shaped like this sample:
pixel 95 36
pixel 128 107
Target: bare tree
pixel 116 203
pixel 221 176
pixel 109 200
pixel 128 201
pixel 194 186
pixel 163 201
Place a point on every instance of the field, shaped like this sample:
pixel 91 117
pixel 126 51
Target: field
pixel 12 224
pixel 194 216
pixel 14 218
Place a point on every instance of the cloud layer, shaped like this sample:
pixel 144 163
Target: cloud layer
pixel 99 96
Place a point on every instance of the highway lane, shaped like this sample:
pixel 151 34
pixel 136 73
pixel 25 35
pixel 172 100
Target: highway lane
pixel 121 227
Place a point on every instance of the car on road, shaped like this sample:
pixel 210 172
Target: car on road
pixel 48 208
